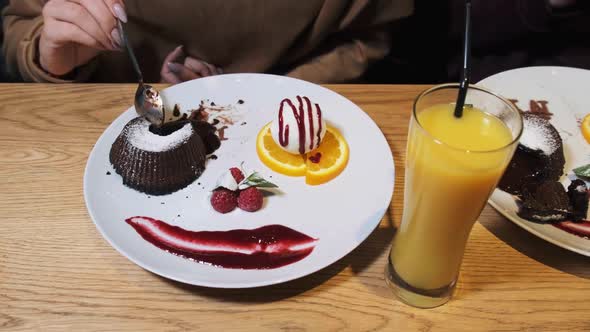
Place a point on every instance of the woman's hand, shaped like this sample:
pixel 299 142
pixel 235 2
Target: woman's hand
pixel 75 31
pixel 179 68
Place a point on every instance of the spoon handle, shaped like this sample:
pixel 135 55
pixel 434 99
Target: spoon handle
pixel 130 52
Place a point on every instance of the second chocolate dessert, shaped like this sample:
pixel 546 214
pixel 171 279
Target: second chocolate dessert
pixel 538 157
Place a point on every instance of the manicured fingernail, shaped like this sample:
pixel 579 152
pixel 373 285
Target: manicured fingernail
pixel 174 67
pixel 117 40
pixel 115 47
pixel 120 12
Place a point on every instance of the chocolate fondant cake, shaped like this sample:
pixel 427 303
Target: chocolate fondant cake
pixel 534 172
pixel 538 157
pixel 162 160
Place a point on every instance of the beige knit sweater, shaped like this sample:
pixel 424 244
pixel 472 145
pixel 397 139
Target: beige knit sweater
pixel 316 40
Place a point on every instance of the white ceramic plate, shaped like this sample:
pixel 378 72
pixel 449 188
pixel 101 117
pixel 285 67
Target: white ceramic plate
pixel 567 92
pixel 341 213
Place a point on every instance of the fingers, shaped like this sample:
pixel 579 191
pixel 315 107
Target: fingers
pixel 167 75
pixel 182 72
pixel 79 16
pixel 200 67
pixel 214 70
pixel 175 55
pixel 104 17
pixel 62 32
pixel 176 70
pixel 118 9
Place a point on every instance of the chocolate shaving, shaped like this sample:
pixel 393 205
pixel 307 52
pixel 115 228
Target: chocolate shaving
pixel 226 120
pixel 176 111
pixel 221 133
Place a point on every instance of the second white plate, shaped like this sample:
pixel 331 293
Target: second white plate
pixel 564 92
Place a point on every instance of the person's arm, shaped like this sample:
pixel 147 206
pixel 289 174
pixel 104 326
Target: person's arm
pixel 364 37
pixel 345 62
pixel 23 25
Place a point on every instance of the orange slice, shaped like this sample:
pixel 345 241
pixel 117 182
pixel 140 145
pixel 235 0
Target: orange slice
pixel 585 126
pixel 277 159
pixel 333 157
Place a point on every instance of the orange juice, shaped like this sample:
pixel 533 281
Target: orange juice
pixel 452 166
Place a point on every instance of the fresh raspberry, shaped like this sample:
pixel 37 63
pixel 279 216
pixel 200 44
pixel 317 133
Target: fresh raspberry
pixel 224 200
pixel 250 199
pixel 237 174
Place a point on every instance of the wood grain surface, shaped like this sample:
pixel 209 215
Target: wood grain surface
pixel 58 274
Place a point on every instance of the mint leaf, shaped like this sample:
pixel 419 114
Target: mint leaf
pixel 255 180
pixel 583 171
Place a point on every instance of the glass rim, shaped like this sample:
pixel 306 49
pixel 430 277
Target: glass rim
pixel 475 87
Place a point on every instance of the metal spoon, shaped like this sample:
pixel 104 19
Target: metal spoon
pixel 148 101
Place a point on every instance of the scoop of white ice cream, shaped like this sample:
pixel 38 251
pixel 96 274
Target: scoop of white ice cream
pixel 299 126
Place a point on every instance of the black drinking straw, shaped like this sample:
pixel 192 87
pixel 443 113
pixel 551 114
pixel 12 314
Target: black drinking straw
pixel 464 85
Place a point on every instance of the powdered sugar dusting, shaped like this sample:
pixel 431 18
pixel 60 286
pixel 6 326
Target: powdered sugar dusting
pixel 142 138
pixel 537 136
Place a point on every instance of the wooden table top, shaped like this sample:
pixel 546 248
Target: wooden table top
pixel 58 274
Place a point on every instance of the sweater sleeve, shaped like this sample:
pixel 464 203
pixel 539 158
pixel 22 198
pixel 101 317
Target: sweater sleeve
pixel 363 37
pixel 23 24
pixel 346 61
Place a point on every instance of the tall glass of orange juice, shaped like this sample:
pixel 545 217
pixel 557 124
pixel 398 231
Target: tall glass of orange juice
pixel 452 166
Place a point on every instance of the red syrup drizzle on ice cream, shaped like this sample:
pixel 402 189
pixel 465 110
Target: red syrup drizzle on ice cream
pixel 267 247
pixel 284 129
pixel 300 119
pixel 319 112
pixel 309 117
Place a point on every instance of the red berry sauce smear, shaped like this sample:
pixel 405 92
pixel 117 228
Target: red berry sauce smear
pixel 581 229
pixel 267 247
pixel 316 158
